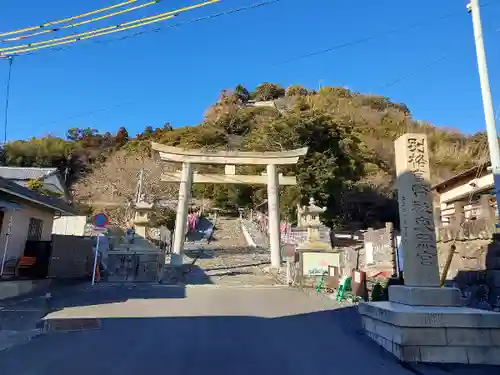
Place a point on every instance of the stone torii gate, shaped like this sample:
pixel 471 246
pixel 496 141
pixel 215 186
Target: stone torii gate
pixel 230 159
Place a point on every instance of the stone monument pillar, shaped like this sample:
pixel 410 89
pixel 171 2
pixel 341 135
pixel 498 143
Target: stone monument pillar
pixel 418 234
pixel 182 211
pixel 423 322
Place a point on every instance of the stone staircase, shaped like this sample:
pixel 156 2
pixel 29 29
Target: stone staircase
pixel 228 234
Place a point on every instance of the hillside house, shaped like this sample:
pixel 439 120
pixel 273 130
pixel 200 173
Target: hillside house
pixel 25 215
pixel 469 195
pixel 50 177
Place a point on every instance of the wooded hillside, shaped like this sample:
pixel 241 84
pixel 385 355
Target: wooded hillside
pixel 349 167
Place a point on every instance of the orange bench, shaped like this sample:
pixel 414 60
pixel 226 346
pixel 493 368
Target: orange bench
pixel 25 263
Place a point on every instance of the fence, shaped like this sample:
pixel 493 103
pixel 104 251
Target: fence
pixel 71 257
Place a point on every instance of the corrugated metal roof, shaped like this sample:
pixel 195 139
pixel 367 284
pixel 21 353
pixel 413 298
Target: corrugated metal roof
pixel 22 192
pixel 21 173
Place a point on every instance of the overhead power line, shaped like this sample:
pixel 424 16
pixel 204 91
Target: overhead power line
pixel 9 51
pixel 372 37
pixel 83 22
pixel 64 20
pixel 158 29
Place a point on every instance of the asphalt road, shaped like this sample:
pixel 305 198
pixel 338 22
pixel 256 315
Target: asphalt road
pixel 202 329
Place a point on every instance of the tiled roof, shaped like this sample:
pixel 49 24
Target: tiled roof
pixel 21 173
pixel 22 192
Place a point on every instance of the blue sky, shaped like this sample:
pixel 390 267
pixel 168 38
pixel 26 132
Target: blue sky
pixel 175 74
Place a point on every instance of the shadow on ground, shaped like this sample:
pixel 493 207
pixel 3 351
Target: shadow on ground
pixel 328 341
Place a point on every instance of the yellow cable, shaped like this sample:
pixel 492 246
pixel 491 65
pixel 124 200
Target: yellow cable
pixel 110 15
pixel 64 20
pixel 128 27
pixel 15 49
pixel 6 54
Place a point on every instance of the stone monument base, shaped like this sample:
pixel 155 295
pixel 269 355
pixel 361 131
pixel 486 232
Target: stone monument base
pixel 433 334
pixel 425 296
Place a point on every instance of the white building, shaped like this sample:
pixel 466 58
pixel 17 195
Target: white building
pixel 25 215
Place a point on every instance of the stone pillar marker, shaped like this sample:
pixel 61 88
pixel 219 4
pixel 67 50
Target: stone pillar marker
pixel 423 322
pixel 418 236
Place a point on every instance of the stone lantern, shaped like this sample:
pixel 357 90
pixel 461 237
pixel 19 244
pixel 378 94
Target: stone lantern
pixel 310 219
pixel 141 217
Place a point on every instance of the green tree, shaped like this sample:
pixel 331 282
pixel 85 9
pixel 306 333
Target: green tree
pixel 121 137
pixel 242 93
pixel 268 91
pixel 295 90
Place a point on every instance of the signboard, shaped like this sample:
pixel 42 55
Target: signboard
pixel 316 263
pixel 100 220
pixel 369 252
pixel 289 252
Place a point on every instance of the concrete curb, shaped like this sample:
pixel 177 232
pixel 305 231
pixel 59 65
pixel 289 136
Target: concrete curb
pixel 8 339
pixel 16 288
pixel 248 238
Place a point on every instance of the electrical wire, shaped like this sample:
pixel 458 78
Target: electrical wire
pixel 102 31
pixel 15 53
pixel 64 20
pixel 372 37
pixel 87 21
pixel 179 24
pixel 424 67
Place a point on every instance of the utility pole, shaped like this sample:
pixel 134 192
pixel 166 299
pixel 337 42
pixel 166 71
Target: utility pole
pixel 139 186
pixel 489 114
pixel 7 97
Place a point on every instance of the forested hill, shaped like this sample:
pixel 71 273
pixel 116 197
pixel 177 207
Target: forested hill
pixel 349 167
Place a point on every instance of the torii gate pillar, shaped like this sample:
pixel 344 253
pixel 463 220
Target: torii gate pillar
pixel 274 214
pixel 182 211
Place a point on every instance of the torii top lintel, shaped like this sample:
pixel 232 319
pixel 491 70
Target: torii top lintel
pixel 180 155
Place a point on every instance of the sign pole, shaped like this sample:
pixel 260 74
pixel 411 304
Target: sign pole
pixel 100 221
pixel 95 260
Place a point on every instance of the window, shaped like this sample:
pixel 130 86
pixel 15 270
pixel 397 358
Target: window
pixel 35 230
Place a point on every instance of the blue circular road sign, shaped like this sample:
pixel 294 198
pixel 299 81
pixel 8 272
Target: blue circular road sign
pixel 100 220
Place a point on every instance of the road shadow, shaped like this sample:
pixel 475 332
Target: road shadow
pixel 329 341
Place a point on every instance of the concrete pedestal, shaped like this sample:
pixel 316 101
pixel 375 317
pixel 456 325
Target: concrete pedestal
pixel 434 334
pixel 425 296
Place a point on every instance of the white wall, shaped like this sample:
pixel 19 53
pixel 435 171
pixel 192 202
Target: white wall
pixel 482 183
pixel 70 225
pixel 20 227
